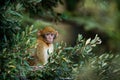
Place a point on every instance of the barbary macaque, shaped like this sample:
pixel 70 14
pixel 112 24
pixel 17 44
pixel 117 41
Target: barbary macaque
pixel 45 39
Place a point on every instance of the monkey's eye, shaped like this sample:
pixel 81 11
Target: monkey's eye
pixel 47 33
pixel 52 34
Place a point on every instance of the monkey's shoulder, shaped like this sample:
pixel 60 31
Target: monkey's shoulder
pixel 41 42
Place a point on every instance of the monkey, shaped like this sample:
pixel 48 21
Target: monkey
pixel 45 39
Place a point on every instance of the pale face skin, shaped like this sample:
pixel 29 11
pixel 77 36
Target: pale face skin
pixel 49 37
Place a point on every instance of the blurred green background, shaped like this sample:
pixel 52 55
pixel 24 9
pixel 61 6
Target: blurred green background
pixel 87 17
pixel 20 20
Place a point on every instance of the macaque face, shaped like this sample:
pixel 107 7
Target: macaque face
pixel 49 37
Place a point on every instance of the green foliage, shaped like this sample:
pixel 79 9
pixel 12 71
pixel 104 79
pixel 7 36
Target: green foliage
pixel 72 63
pixel 17 41
pixel 13 64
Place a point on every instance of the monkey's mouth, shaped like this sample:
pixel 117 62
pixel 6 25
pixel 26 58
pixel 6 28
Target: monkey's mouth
pixel 50 40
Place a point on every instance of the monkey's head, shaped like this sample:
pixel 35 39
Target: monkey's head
pixel 48 34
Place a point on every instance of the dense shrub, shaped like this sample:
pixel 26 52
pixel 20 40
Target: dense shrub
pixel 77 62
pixel 17 41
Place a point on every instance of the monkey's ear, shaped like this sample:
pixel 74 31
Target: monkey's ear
pixel 39 33
pixel 56 33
